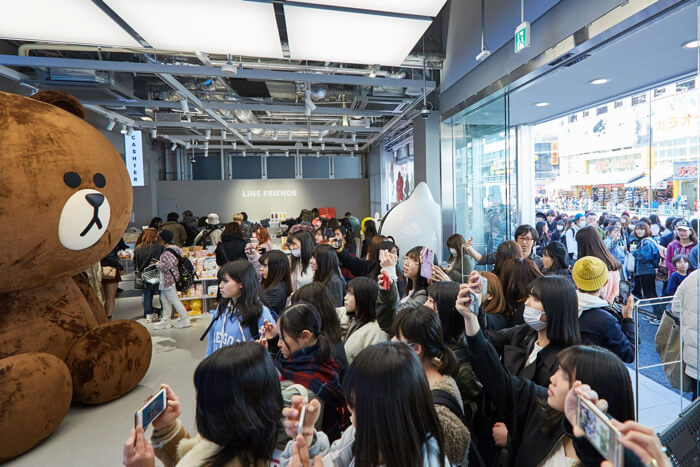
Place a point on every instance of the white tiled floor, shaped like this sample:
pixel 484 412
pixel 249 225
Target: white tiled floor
pixel 658 405
pixel 94 436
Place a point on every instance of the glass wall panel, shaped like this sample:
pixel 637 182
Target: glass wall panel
pixel 246 168
pixel 484 175
pixel 206 168
pixel 315 167
pixel 280 167
pixel 347 167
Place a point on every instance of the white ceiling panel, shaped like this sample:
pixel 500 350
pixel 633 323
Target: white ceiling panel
pixel 411 7
pixel 55 21
pixel 334 36
pixel 213 26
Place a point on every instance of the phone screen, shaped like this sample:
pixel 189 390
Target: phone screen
pixel 599 431
pixel 151 409
pixel 624 292
pixel 426 266
pixel 302 417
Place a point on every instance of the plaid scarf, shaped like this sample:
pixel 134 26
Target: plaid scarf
pixel 322 378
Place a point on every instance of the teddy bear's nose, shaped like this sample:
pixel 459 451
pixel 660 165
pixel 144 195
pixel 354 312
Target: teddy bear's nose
pixel 95 199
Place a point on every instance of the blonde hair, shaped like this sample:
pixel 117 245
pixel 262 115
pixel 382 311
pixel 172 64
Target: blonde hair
pixel 238 217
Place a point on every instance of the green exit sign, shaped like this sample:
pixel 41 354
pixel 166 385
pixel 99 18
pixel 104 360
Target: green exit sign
pixel 522 36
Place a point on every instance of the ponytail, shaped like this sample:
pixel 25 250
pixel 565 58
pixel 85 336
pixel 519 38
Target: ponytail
pixel 304 317
pixel 421 325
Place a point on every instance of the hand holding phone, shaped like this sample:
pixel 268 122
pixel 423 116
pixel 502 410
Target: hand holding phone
pixel 599 431
pixel 151 409
pixel 384 281
pixel 624 293
pixel 426 263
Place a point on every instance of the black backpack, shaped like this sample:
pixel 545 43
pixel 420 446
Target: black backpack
pixel 186 270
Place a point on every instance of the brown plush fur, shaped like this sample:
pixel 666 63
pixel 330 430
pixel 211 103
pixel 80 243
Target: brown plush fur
pixel 55 340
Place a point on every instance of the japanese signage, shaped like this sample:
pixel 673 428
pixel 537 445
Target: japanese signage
pixel 133 155
pixel 687 170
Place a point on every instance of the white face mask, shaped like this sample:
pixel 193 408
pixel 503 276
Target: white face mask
pixel 453 252
pixel 532 318
pixel 560 228
pixel 296 253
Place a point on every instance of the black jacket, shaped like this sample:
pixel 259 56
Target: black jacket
pixel 336 286
pixel 358 267
pixel 231 248
pixel 112 258
pixel 143 255
pixel 515 345
pixel 275 297
pixel 516 402
pixel 599 327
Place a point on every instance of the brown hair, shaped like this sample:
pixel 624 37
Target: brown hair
pixel 517 275
pixel 373 248
pixel 149 237
pixel 497 302
pixel 262 234
pixel 642 225
pixel 232 228
pixel 504 252
pixel 456 241
pixel 590 244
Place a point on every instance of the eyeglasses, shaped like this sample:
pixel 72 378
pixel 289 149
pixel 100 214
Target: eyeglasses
pixel 524 239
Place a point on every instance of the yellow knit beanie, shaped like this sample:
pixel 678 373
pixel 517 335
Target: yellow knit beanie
pixel 590 273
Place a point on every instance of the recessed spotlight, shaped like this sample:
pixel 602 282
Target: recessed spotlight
pixel 542 104
pixel 600 81
pixel 691 45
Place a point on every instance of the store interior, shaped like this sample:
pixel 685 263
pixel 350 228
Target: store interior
pixel 348 106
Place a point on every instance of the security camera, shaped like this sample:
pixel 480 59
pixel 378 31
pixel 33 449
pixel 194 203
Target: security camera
pixel 425 113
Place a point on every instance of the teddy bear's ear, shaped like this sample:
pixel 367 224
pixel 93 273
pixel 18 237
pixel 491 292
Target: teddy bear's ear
pixel 62 100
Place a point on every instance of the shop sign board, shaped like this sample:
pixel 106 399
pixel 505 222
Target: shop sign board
pixel 685 170
pixel 133 156
pixel 268 193
pixel 522 36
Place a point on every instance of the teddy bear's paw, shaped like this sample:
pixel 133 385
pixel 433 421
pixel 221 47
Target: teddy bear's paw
pixel 35 395
pixel 109 360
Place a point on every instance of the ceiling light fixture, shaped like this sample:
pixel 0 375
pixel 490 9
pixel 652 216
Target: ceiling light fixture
pixel 373 71
pixel 243 153
pixel 692 44
pixel 154 133
pixel 309 106
pixel 323 146
pixel 354 137
pixel 275 135
pixel 542 104
pixel 267 153
pixel 234 144
pixel 311 144
pixel 352 154
pixel 146 118
pixel 130 131
pixel 345 147
pixel 110 125
pixel 289 136
pixel 173 146
pixel 250 134
pixel 223 134
pixel 485 52
pixel 368 123
pixel 123 129
pixel 286 153
pixel 318 154
pixel 207 133
pixel 230 68
pixel 600 81
pixel 206 145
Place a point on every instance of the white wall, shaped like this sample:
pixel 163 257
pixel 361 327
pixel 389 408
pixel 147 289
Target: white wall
pixel 226 197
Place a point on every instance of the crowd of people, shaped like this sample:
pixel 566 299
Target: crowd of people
pixel 392 367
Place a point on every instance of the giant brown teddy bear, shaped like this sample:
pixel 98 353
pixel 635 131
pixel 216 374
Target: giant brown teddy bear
pixel 65 200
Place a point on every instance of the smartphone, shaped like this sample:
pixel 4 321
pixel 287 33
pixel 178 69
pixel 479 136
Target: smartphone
pixel 154 406
pixel 426 266
pixel 484 284
pixel 599 431
pixel 624 292
pixel 302 417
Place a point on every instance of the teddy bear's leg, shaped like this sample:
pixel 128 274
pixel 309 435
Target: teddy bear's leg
pixel 109 360
pixel 35 395
pixel 89 294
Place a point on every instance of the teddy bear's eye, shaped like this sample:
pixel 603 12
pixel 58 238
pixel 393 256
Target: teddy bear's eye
pixel 99 180
pixel 71 179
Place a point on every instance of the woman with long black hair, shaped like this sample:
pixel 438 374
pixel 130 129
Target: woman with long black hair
pixel 301 247
pixel 318 295
pixel 241 313
pixel 360 306
pixel 239 405
pixel 276 280
pixel 305 358
pixel 324 263
pixel 420 328
pixel 394 423
pixel 533 413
